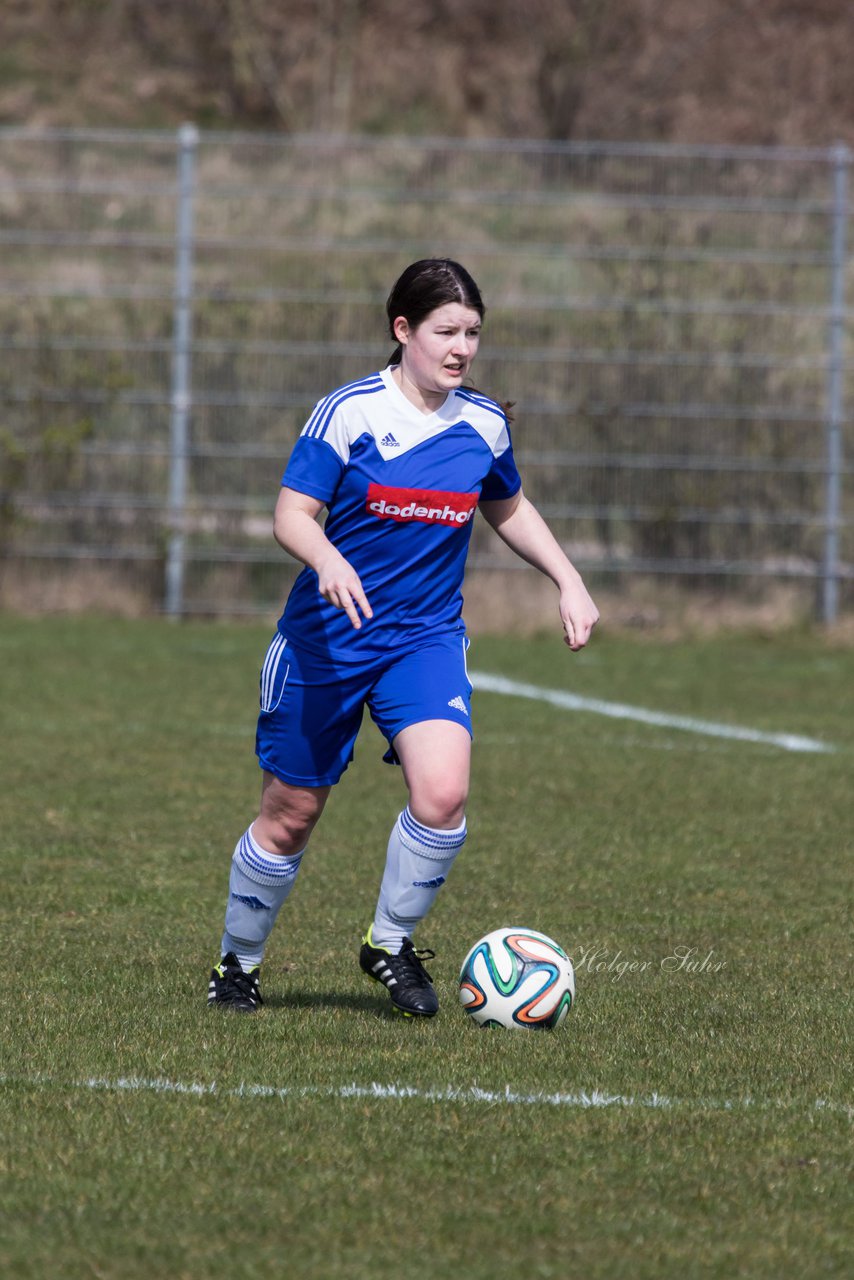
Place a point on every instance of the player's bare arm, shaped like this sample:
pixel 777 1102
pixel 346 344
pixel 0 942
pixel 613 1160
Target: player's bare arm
pixel 296 529
pixel 518 523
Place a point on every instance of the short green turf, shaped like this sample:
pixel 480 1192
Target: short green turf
pixel 691 1118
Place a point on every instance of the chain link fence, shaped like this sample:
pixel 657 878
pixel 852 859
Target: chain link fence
pixel 670 322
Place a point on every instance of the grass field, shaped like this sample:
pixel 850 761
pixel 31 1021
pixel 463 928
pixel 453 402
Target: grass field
pixel 689 1119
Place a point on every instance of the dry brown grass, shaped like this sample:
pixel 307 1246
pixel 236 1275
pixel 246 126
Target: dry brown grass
pixel 726 71
pixel 36 590
pixel 523 603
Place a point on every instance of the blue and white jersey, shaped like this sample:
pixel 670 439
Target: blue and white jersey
pixel 402 488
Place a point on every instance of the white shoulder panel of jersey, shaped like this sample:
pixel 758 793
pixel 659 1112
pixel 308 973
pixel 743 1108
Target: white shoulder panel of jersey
pixel 485 417
pixel 342 416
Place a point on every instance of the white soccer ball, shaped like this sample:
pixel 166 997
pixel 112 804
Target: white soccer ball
pixel 517 978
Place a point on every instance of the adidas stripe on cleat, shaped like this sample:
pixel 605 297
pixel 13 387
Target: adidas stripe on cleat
pixel 404 976
pixel 232 988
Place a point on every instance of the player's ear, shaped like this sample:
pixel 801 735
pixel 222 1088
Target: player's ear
pixel 401 329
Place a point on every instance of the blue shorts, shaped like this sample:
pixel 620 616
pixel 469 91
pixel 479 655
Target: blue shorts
pixel 311 710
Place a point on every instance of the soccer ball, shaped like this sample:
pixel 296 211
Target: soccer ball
pixel 517 978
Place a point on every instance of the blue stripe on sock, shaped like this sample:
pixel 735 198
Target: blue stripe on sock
pixel 256 863
pixel 426 839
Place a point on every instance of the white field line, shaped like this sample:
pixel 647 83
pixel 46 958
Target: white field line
pixel 622 711
pixel 468 1094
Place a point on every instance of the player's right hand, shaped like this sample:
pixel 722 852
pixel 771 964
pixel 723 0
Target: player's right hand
pixel 339 583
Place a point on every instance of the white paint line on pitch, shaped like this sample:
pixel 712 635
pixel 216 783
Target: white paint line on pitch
pixel 622 711
pixel 470 1094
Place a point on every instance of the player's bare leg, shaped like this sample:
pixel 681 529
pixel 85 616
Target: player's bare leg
pixel 288 815
pixel 436 759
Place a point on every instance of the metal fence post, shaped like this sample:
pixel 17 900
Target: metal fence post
pixel 181 393
pixel 841 159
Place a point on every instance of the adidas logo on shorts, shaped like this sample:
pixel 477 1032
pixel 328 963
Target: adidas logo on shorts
pixel 459 704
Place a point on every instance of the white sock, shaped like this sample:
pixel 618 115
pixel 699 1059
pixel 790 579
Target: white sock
pixel 260 882
pixel 418 861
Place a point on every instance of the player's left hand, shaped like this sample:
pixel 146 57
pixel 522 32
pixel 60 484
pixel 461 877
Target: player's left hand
pixel 578 614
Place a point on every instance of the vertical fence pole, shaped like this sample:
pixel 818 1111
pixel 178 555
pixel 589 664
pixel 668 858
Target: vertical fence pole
pixel 841 159
pixel 181 395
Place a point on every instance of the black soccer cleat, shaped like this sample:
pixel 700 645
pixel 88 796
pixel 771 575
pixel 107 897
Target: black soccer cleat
pixel 232 988
pixel 409 984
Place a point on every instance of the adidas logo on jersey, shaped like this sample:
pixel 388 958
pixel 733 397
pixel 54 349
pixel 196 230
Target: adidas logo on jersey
pixel 458 704
pixel 390 442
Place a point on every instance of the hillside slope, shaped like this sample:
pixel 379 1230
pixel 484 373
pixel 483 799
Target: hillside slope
pixel 728 71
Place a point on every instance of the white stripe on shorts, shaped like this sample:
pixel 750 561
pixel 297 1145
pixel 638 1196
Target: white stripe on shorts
pixel 269 670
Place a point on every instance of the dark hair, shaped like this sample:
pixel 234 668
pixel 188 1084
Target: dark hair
pixel 423 287
pixel 426 285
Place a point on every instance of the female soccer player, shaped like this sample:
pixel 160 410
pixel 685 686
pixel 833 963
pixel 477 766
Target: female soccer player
pixel 401 459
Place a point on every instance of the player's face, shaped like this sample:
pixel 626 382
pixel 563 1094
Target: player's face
pixel 438 354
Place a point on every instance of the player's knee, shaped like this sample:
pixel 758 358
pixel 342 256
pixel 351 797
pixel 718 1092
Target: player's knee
pixel 288 815
pixel 442 805
pixel 285 828
pixel 286 835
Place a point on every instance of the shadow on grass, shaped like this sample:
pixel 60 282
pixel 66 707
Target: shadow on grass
pixel 378 1005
